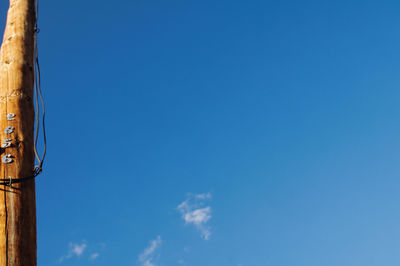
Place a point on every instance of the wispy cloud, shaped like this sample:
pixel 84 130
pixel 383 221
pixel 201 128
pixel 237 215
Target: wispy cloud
pixel 194 211
pixel 146 258
pixel 203 196
pixel 83 251
pixel 75 250
pixel 94 256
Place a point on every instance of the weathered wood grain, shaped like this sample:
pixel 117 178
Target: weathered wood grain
pixel 17 204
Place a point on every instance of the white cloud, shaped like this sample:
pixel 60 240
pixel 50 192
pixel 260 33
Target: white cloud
pixel 78 250
pixel 147 256
pixel 203 196
pixel 94 256
pixel 75 250
pixel 194 212
pixel 198 216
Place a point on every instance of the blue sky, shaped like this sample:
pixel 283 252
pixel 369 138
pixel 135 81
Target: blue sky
pixel 220 133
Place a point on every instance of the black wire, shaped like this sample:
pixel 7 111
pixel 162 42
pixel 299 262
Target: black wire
pixel 10 181
pixel 43 115
pixel 39 94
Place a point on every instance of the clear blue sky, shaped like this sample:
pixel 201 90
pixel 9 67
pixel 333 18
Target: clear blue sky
pixel 220 133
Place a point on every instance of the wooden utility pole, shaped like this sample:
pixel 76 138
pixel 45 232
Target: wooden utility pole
pixel 17 116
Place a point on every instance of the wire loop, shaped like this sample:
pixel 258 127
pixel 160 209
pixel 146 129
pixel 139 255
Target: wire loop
pixel 38 95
